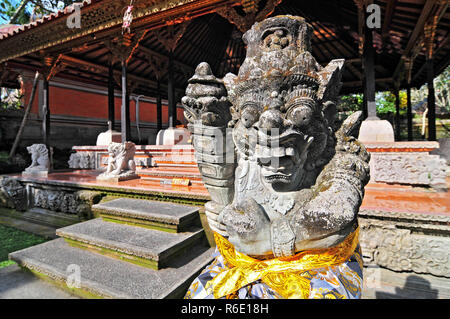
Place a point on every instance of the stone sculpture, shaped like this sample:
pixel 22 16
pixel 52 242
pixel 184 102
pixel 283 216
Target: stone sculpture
pixel 82 160
pixel 12 194
pixel 121 165
pixel 285 201
pixel 40 162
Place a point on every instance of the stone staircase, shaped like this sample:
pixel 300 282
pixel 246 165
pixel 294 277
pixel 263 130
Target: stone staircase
pixel 134 249
pixel 167 175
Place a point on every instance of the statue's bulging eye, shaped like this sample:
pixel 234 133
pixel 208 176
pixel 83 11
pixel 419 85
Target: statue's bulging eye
pixel 249 115
pixel 301 115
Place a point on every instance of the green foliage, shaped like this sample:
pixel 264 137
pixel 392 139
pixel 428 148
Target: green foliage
pixel 351 103
pixel 12 239
pixel 11 99
pixel 7 10
pixel 385 102
pixel 30 8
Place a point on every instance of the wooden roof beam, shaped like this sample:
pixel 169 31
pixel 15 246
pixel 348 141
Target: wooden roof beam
pixel 149 52
pixel 101 69
pixel 390 7
pixel 430 9
pixel 359 83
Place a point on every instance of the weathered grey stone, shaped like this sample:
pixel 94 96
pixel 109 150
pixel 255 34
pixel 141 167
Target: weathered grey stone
pixel 298 180
pixel 162 212
pixel 17 284
pixel 150 244
pixel 12 194
pixel 69 202
pixel 111 278
pixel 409 168
pixel 40 162
pixel 82 160
pixel 409 242
pixel 121 165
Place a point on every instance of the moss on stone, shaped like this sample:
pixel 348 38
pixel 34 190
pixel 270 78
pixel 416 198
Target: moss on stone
pixel 152 264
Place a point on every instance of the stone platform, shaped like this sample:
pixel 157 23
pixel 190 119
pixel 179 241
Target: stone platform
pixel 120 259
pixel 146 156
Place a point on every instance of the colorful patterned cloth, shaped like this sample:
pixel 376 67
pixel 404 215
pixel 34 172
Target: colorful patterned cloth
pixel 343 281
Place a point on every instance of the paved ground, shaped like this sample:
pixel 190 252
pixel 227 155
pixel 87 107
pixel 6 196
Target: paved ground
pixel 33 228
pixel 382 283
pixel 18 284
pixel 378 284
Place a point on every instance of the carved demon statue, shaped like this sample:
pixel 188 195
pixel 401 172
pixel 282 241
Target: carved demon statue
pixel 121 163
pixel 39 159
pixel 285 201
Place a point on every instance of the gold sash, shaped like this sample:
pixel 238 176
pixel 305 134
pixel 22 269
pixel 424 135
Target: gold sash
pixel 285 275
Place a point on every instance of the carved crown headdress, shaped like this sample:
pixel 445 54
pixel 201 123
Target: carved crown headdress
pixel 279 58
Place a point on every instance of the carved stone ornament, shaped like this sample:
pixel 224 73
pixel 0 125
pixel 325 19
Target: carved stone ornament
pixel 415 169
pixel 281 176
pixel 78 203
pixel 12 194
pixel 82 160
pixel 401 247
pixel 121 165
pixel 40 162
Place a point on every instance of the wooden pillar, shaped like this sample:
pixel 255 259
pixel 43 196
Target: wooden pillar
pixel 171 94
pixel 397 114
pixel 364 106
pixel 409 113
pixel 431 101
pixel 111 111
pixel 158 108
pixel 369 74
pixel 45 113
pixel 125 110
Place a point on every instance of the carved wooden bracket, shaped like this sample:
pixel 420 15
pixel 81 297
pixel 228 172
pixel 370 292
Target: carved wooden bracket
pixel 429 32
pixel 172 35
pixel 158 64
pixel 250 6
pixel 52 65
pixel 244 23
pixel 123 46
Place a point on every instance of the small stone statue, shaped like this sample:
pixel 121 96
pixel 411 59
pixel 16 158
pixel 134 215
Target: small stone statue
pixel 285 202
pixel 40 162
pixel 74 161
pixel 121 165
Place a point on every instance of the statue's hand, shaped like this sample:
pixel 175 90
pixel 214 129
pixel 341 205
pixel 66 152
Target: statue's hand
pixel 248 227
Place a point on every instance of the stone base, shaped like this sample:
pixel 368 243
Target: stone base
pixel 376 130
pixel 35 174
pixel 109 136
pixel 173 136
pixel 116 179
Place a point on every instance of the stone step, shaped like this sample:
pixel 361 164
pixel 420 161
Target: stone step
pixel 172 175
pixel 49 218
pixel 144 247
pixel 149 214
pixel 106 277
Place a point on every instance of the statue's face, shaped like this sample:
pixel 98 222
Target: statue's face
pixel 273 132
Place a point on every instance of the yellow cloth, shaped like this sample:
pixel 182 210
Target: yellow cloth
pixel 285 275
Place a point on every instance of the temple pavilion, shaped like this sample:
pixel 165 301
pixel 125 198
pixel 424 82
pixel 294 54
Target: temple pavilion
pixel 100 72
